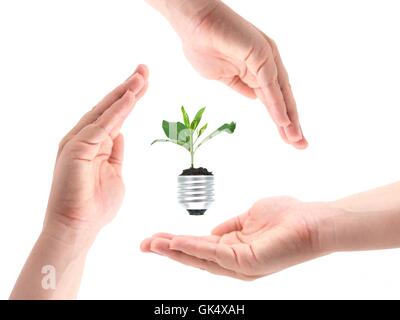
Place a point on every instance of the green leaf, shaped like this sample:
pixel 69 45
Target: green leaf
pixel 173 129
pixel 186 146
pixel 227 127
pixel 160 140
pixel 202 129
pixel 186 120
pixel 185 135
pixel 197 118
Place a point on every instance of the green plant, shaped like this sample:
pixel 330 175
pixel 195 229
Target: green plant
pixel 187 134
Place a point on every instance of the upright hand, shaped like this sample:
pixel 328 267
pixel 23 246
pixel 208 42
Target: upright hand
pixel 86 193
pixel 87 186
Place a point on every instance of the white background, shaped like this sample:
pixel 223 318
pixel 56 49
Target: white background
pixel 58 58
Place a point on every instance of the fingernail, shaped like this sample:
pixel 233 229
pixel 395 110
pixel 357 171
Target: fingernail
pixel 160 246
pixel 293 133
pixel 145 245
pixel 303 144
pixel 281 119
pixel 136 83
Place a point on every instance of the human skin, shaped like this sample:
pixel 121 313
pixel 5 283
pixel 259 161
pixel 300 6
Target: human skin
pixel 223 46
pixel 277 233
pixel 86 193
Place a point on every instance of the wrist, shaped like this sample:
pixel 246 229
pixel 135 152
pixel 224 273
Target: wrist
pixel 185 6
pixel 329 224
pixel 76 238
pixel 180 10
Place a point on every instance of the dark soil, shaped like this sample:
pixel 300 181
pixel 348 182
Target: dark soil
pixel 196 172
pixel 196 212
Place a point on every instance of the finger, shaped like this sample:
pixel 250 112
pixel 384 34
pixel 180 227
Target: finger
pixel 261 63
pixel 293 131
pixel 282 133
pixel 196 248
pixel 164 235
pixel 162 247
pixel 145 245
pixel 87 143
pixel 302 144
pixel 117 153
pixel 134 83
pixel 270 93
pixel 142 92
pixel 99 131
pixel 273 100
pixel 222 254
pixel 238 85
pixel 115 116
pixel 143 70
pixel 212 238
pixel 234 224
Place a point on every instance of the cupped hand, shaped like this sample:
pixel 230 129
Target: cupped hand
pixel 221 45
pixel 274 234
pixel 87 187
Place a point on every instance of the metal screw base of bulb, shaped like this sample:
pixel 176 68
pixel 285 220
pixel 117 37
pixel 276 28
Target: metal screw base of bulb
pixel 196 193
pixel 196 212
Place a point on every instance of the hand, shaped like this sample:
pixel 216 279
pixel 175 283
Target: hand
pixel 223 46
pixel 86 193
pixel 87 188
pixel 274 234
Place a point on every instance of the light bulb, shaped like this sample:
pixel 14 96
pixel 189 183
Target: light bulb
pixel 196 193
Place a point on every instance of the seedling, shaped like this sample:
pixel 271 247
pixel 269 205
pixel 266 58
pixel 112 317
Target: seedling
pixel 195 184
pixel 187 134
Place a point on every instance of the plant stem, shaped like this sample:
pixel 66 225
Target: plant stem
pixel 191 151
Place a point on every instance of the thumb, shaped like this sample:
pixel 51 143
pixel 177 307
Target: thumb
pixel 231 225
pixel 117 153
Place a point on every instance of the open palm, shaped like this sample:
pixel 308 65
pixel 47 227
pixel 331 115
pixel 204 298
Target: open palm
pixel 274 234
